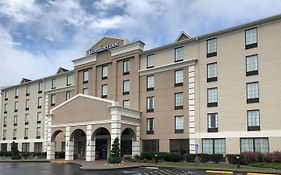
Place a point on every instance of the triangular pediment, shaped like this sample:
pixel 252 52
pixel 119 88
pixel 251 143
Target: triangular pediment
pixel 61 70
pixel 24 80
pixel 182 36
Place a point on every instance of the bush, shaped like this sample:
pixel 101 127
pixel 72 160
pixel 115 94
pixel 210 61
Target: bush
pixel 127 158
pixel 15 154
pixel 267 157
pixel 232 158
pixel 147 155
pixel 5 154
pixel 276 156
pixel 60 155
pixel 137 157
pixel 115 152
pixel 173 157
pixel 114 160
pixel 249 157
pixel 189 157
pixel 204 158
pixel 216 158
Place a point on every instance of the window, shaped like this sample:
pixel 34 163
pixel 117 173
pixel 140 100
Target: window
pixel 211 47
pixel 25 133
pixel 85 76
pixel 4 134
pixel 253 120
pixel 260 145
pixel 253 92
pixel 39 117
pixel 252 65
pixel 53 83
pixel 4 146
pixel 15 120
pixel 179 146
pixel 179 100
pixel 40 87
pixel 38 147
pixel 104 72
pixel 85 91
pixel 53 99
pixel 5 108
pixel 27 90
pixel 67 95
pixel 213 146
pixel 178 54
pixel 126 87
pixel 27 104
pixel 126 103
pixel 213 122
pixel 150 145
pixel 150 83
pixel 39 103
pixel 150 126
pixel 179 124
pixel 16 106
pixel 150 104
pixel 14 134
pixel 68 80
pixel 251 38
pixel 38 133
pixel 126 67
pixel 179 77
pixel 25 147
pixel 5 121
pixel 212 72
pixel 6 95
pixel 16 92
pixel 212 97
pixel 150 61
pixel 26 119
pixel 104 91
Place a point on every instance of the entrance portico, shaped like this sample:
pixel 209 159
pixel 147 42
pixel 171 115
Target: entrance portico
pixel 89 126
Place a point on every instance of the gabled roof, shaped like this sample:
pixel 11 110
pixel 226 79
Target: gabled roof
pixel 24 80
pixel 182 36
pixel 61 70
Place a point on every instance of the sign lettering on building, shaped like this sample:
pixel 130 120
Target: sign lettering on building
pixel 102 48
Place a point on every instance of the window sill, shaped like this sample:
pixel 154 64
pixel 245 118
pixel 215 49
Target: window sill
pixel 126 93
pixel 150 110
pixel 212 79
pixel 27 109
pixel 5 112
pixel 212 104
pixel 103 78
pixel 6 99
pixel 150 89
pixel 39 92
pixel 4 125
pixel 25 138
pixel 178 131
pixel 15 124
pixel 126 73
pixel 14 138
pixel 26 123
pixel 178 107
pixel 212 54
pixel 38 137
pixel 251 73
pixel 38 122
pixel 149 132
pixel 15 110
pixel 250 46
pixel 16 96
pixel 39 107
pixel 212 129
pixel 4 138
pixel 149 67
pixel 178 60
pixel 253 128
pixel 85 82
pixel 104 96
pixel 53 104
pixel 27 95
pixel 53 88
pixel 178 84
pixel 253 100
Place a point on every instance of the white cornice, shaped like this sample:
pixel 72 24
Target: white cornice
pixel 167 67
pixel 239 134
pixel 84 60
pixel 138 45
pixel 59 89
pixel 126 112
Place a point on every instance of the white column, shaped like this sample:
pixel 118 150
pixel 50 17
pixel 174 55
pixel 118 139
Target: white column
pixel 191 107
pixel 136 143
pixel 46 126
pixel 51 149
pixel 90 149
pixel 115 126
pixel 69 145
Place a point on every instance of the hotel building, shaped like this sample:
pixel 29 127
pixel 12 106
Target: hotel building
pixel 215 93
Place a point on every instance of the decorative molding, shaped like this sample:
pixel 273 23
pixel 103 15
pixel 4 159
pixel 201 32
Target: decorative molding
pixel 84 60
pixel 47 92
pixel 23 140
pixel 138 45
pixel 239 134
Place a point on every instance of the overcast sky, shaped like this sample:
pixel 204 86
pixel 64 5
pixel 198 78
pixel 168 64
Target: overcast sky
pixel 36 37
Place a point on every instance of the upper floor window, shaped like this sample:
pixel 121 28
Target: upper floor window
pixel 104 91
pixel 178 54
pixel 150 61
pixel 85 91
pixel 211 47
pixel 150 83
pixel 149 125
pixel 213 122
pixel 27 104
pixel 15 120
pixel 67 95
pixel 25 133
pixel 6 95
pixel 252 65
pixel 179 124
pixel 126 67
pixel 254 145
pixel 39 117
pixel 53 83
pixel 40 88
pixel 212 72
pixel 5 121
pixel 16 92
pixel 68 80
pixel 39 102
pixel 126 103
pixel 150 104
pixel 253 120
pixel 179 77
pixel 212 97
pixel 38 132
pixel 251 38
pixel 27 90
pixel 126 87
pixel 53 99
pixel 26 119
pixel 4 134
pixel 179 100
pixel 14 134
pixel 16 106
pixel 104 72
pixel 85 76
pixel 253 92
pixel 5 108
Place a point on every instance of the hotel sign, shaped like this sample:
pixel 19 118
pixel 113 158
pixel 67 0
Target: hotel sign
pixel 102 48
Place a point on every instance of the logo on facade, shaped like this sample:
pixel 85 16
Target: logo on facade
pixel 102 48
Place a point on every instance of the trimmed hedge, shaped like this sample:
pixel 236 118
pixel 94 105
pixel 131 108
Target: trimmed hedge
pixel 189 157
pixel 216 158
pixel 60 155
pixel 166 156
pixel 5 154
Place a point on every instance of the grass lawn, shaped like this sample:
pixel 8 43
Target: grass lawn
pixel 266 165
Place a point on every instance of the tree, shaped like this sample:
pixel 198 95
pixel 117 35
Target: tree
pixel 114 156
pixel 14 151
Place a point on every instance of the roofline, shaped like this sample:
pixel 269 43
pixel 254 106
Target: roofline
pixel 213 34
pixel 37 80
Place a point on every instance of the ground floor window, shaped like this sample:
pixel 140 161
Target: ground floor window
pixel 25 147
pixel 254 145
pixel 38 147
pixel 3 146
pixel 179 145
pixel 150 145
pixel 213 146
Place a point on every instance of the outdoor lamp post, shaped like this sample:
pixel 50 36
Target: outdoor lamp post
pixel 156 158
pixel 238 161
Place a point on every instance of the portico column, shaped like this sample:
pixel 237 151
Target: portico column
pixel 51 147
pixel 90 149
pixel 136 143
pixel 69 145
pixel 115 126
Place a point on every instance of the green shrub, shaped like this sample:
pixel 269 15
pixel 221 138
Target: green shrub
pixel 276 156
pixel 15 154
pixel 189 157
pixel 113 160
pixel 173 157
pixel 115 152
pixel 232 158
pixel 5 154
pixel 60 155
pixel 147 155
pixel 204 158
pixel 127 158
pixel 249 157
pixel 216 158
